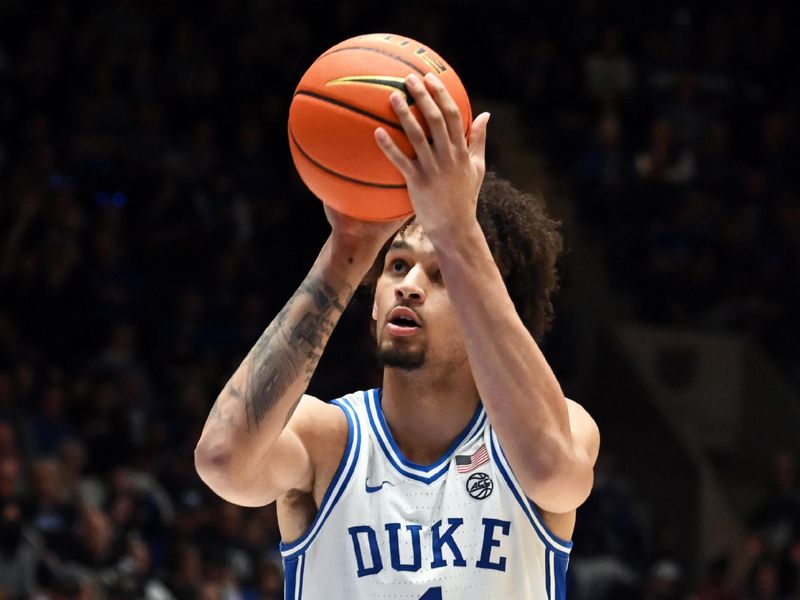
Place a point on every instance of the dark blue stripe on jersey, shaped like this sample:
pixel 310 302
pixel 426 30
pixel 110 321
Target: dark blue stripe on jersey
pixel 526 507
pixel 381 426
pixel 548 582
pixel 478 430
pixel 289 578
pixel 353 442
pixel 561 564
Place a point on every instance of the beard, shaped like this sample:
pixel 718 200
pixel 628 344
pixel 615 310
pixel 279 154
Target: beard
pixel 401 358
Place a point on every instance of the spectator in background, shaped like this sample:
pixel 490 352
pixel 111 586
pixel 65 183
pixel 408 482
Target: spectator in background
pixel 664 581
pixel 136 506
pixel 765 583
pixel 777 519
pixel 687 118
pixel 664 161
pixel 223 543
pixel 608 71
pixel 186 573
pixel 718 171
pixel 716 584
pixel 97 546
pixel 53 515
pixel 49 425
pixel 20 549
pixel 85 490
pixel 608 540
pixel 604 172
pixel 103 423
pixel 268 583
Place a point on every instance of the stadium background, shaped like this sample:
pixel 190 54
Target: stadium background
pixel 151 225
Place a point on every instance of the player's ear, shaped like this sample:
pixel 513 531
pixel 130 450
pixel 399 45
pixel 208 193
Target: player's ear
pixel 374 311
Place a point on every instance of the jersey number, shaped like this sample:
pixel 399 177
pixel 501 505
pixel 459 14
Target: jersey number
pixel 432 594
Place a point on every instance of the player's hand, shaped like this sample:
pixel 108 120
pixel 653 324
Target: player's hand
pixel 361 238
pixel 445 177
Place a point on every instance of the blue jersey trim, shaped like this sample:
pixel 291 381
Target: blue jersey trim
pixel 552 542
pixel 424 473
pixel 548 576
pixel 478 432
pixel 338 483
pixel 561 564
pixel 290 578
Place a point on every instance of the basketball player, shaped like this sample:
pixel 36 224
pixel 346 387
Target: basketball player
pixel 460 477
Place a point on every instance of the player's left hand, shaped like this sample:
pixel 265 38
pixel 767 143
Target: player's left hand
pixel 445 177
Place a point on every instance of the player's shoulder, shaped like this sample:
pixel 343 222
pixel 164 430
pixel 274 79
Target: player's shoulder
pixel 323 428
pixel 311 410
pixel 314 417
pixel 323 424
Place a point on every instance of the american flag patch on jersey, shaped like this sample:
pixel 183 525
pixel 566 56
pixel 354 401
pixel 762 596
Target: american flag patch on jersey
pixel 465 464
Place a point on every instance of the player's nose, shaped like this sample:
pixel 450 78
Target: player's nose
pixel 411 288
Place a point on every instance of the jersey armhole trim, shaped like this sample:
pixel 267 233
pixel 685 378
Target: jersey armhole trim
pixel 548 538
pixel 292 582
pixel 337 485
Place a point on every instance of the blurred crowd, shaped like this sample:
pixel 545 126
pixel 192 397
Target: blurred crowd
pixel 623 552
pixel 151 225
pixel 685 156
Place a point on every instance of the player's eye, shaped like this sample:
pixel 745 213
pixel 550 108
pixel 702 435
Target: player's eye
pixel 398 266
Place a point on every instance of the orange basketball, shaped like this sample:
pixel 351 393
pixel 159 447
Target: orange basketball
pixel 337 105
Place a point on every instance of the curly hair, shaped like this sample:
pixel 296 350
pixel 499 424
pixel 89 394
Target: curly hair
pixel 525 244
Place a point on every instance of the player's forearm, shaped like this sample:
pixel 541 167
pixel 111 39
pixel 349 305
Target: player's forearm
pixel 260 397
pixel 522 396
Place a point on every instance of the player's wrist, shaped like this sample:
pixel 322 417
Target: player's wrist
pixel 456 234
pixel 350 256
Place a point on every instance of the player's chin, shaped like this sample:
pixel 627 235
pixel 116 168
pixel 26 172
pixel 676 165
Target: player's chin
pixel 394 356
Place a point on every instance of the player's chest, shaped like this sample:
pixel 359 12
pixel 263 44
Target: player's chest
pixel 394 523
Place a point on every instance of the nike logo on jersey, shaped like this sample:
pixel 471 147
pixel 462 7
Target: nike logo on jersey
pixel 377 488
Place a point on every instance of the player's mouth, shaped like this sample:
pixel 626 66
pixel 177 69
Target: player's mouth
pixel 403 321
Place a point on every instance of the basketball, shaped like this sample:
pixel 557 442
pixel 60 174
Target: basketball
pixel 338 104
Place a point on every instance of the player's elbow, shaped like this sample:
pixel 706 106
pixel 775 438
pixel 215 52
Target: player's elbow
pixel 561 494
pixel 223 471
pixel 213 464
pixel 560 479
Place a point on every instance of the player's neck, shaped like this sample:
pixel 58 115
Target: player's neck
pixel 426 413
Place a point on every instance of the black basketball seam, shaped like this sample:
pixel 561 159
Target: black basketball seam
pixel 355 109
pixel 369 49
pixel 386 186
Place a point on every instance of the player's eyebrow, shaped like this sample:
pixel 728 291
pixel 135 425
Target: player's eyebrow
pixel 400 244
pixel 403 245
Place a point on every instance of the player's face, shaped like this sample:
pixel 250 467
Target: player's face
pixel 415 322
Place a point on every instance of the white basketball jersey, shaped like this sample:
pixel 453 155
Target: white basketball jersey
pixel 389 529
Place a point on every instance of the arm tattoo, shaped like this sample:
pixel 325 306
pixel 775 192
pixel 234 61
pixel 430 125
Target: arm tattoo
pixel 219 415
pixel 291 348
